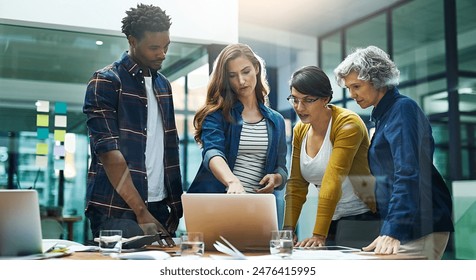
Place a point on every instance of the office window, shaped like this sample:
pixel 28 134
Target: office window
pixel 197 92
pixel 466 26
pixel 467 99
pixel 432 96
pixel 189 94
pixel 418 38
pixel 32 53
pixel 194 161
pixel 178 92
pixel 468 150
pixel 441 156
pixel 331 57
pixel 370 32
pixel 197 88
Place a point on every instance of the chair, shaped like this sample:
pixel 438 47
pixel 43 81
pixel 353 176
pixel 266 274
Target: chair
pixel 356 234
pixel 51 228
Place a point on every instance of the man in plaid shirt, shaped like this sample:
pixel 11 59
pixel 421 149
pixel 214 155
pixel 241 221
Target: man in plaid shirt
pixel 134 180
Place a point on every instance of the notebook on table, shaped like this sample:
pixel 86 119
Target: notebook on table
pixel 245 220
pixel 20 223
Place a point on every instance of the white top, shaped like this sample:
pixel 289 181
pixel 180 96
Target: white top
pixel 312 170
pixel 251 158
pixel 154 150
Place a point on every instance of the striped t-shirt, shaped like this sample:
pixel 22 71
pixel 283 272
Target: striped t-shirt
pixel 251 159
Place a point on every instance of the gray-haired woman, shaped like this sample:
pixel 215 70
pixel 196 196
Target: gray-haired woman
pixel 412 197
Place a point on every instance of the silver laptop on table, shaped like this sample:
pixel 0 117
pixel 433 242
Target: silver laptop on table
pixel 246 220
pixel 20 223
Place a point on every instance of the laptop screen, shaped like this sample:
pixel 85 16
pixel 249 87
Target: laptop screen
pixel 20 226
pixel 246 220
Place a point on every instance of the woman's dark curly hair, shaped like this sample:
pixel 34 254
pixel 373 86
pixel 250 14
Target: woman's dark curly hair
pixel 145 18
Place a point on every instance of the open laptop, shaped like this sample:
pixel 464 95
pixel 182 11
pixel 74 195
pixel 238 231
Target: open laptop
pixel 246 220
pixel 20 223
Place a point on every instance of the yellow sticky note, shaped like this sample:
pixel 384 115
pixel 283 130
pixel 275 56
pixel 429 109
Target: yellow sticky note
pixel 42 120
pixel 59 135
pixel 41 148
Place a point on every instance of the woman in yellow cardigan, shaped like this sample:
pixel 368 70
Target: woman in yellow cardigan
pixel 330 146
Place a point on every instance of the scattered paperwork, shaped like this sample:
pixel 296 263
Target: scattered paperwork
pixel 229 250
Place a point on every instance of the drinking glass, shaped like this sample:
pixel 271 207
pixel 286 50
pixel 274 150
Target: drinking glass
pixel 281 243
pixel 110 241
pixel 192 244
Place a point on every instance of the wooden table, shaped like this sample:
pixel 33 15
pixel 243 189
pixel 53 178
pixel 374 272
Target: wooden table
pixel 99 256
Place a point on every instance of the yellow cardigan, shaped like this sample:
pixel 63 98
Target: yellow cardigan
pixel 350 141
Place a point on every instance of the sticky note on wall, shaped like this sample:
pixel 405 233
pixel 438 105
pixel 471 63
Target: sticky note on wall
pixel 60 108
pixel 42 120
pixel 41 148
pixel 59 151
pixel 42 133
pixel 59 135
pixel 60 121
pixel 41 161
pixel 42 106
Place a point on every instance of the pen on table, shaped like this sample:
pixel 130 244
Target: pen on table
pixel 51 248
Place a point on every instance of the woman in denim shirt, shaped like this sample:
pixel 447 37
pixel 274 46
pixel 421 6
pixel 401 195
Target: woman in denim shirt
pixel 412 197
pixel 242 139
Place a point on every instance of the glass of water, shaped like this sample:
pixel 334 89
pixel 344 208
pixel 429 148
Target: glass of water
pixel 281 243
pixel 110 241
pixel 192 245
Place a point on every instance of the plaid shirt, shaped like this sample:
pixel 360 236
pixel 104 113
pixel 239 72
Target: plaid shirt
pixel 116 109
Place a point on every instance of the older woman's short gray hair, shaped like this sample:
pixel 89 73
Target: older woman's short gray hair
pixel 372 64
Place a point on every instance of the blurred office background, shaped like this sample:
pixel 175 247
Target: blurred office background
pixel 50 55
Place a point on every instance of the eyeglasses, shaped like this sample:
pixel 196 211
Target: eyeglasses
pixel 304 101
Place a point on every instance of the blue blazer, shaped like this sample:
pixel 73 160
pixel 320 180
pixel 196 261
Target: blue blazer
pixel 412 197
pixel 221 138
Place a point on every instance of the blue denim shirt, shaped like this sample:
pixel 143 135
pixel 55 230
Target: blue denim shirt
pixel 116 109
pixel 412 197
pixel 221 138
